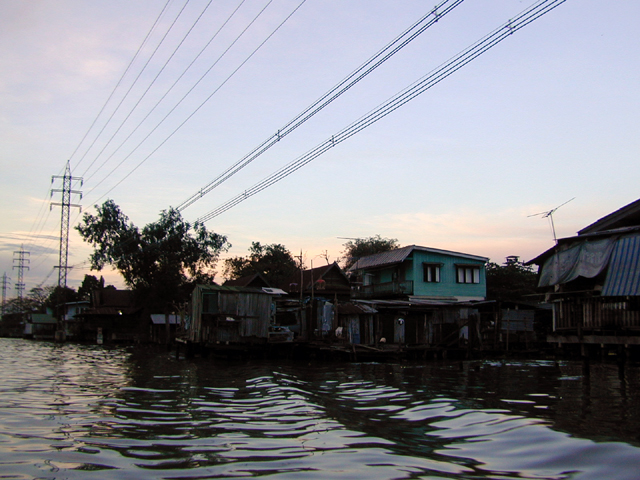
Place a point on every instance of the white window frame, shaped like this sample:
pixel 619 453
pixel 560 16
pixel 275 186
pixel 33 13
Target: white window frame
pixel 468 274
pixel 431 272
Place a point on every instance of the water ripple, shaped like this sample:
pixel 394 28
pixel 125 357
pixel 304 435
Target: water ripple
pixel 66 410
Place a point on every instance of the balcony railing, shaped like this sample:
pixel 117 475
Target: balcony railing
pixel 388 289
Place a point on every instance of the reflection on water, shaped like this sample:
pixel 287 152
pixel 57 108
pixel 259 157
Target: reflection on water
pixel 77 412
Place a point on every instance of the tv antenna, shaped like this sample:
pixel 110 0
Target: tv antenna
pixel 549 214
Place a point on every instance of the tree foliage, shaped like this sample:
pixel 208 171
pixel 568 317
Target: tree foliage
pixel 59 295
pixel 37 300
pixel 88 285
pixel 362 247
pixel 162 260
pixel 273 261
pixel 511 281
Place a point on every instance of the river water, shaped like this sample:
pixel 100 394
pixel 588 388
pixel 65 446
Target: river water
pixel 82 412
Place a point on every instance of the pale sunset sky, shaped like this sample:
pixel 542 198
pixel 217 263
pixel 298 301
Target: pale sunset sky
pixel 550 114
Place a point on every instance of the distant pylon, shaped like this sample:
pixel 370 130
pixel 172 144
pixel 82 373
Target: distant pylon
pixel 67 191
pixel 21 266
pixel 5 286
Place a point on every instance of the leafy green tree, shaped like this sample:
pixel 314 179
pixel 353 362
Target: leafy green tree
pixel 511 281
pixel 160 262
pixel 362 247
pixel 273 261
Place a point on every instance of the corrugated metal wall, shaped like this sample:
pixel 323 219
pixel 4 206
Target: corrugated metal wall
pixel 250 311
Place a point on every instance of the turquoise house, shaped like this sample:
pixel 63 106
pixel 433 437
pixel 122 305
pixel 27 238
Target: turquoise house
pixel 421 273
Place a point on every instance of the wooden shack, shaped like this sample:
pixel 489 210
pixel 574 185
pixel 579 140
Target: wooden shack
pixel 230 315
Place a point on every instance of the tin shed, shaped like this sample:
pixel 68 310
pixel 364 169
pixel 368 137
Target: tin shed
pixel 222 314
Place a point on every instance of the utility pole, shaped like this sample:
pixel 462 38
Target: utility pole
pixel 5 286
pixel 21 266
pixel 303 320
pixel 66 191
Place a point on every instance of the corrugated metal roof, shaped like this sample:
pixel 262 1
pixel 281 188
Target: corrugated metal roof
pixel 232 289
pixel 385 258
pixel 399 255
pixel 623 276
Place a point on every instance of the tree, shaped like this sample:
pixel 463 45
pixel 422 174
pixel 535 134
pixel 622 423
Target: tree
pixel 38 298
pixel 57 296
pixel 362 247
pixel 273 261
pixel 510 281
pixel 88 285
pixel 161 262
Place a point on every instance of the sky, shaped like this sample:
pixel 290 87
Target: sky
pixel 548 116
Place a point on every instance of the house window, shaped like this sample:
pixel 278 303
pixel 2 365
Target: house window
pixel 210 303
pixel 467 274
pixel 431 272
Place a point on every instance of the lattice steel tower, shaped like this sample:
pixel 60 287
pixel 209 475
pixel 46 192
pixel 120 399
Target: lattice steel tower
pixel 21 266
pixel 5 287
pixel 67 191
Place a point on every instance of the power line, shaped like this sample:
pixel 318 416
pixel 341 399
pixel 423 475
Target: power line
pixel 175 50
pixel 46 278
pixel 116 87
pixel 433 16
pixel 529 15
pixel 181 100
pixel 215 35
pixel 144 67
pixel 198 108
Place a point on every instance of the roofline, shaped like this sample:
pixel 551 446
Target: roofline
pixel 411 248
pixel 449 252
pixel 222 288
pixel 611 218
pixel 582 237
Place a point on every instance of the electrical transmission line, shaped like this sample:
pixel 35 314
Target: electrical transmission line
pixel 116 87
pixel 175 50
pixel 439 11
pixel 179 102
pixel 144 67
pixel 529 15
pixel 184 72
pixel 194 111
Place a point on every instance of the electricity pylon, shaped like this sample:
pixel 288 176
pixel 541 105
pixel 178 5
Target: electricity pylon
pixel 67 191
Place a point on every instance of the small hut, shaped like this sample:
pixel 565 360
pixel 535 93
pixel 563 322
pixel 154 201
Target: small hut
pixel 230 315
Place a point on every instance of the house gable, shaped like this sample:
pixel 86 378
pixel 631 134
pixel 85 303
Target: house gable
pixel 328 279
pixel 424 272
pixel 257 280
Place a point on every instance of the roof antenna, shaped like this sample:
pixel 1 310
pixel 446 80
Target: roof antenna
pixel 549 214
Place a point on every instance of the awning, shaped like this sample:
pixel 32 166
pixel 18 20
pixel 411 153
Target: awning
pixel 585 259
